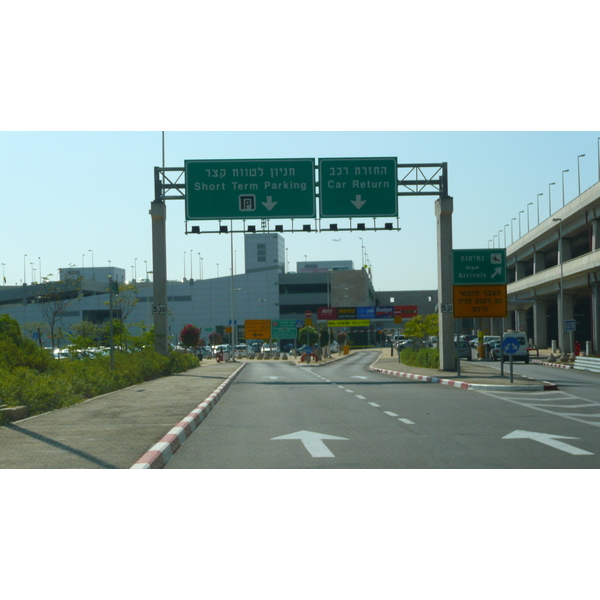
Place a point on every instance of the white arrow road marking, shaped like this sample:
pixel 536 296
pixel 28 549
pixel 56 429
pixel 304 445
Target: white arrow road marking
pixel 269 204
pixel 313 442
pixel 358 202
pixel 548 439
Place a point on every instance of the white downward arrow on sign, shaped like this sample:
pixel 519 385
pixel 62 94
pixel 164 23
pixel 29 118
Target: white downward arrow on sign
pixel 269 204
pixel 313 442
pixel 358 202
pixel 548 439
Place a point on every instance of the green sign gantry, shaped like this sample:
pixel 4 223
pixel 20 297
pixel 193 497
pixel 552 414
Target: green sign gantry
pixel 250 189
pixel 358 187
pixel 479 266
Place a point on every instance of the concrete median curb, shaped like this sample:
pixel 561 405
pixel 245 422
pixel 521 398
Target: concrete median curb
pixel 468 386
pixel 158 456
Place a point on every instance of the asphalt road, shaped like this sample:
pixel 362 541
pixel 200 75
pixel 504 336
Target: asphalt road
pixel 343 416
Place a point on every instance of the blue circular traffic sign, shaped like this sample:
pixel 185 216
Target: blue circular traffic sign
pixel 510 345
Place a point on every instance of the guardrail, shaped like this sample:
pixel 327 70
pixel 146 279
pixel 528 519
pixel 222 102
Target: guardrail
pixel 585 363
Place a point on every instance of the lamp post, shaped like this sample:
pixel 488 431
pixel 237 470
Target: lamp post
pixel 528 205
pixel 505 234
pixel 550 199
pixel 512 241
pixel 538 207
pixel 578 174
pixel 494 242
pixel 93 276
pixel 362 255
pixel 489 243
pixel 520 213
pixel 561 314
pixel 563 184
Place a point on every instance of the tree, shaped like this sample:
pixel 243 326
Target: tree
pixel 85 334
pixel 55 298
pixel 189 336
pixel 123 303
pixel 308 335
pixel 420 328
pixel 38 330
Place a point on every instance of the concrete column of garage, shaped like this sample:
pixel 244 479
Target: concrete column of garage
pixel 540 323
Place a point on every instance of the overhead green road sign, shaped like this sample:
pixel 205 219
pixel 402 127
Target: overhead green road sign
pixel 480 266
pixel 358 187
pixel 250 189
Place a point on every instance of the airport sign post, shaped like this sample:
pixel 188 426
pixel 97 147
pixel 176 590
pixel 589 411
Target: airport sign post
pixel 476 267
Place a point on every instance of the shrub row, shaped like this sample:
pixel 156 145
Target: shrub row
pixel 427 358
pixel 44 386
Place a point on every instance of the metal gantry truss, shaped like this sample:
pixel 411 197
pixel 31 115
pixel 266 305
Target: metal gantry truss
pixel 414 179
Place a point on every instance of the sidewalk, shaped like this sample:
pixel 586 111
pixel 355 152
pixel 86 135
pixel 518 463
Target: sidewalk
pixel 115 430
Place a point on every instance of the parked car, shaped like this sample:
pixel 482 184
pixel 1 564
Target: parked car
pixel 495 350
pixel 463 350
pixel 270 348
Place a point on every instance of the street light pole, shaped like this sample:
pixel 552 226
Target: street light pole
pixel 512 240
pixel 505 234
pixel 520 213
pixel 563 184
pixel 579 174
pixel 550 200
pixel 538 207
pixel 528 205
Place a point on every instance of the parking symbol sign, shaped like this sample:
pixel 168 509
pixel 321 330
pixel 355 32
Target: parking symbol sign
pixel 248 202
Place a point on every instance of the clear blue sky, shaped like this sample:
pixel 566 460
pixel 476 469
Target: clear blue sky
pixel 73 192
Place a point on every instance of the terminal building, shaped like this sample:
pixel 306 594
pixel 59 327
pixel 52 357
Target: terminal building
pixel 263 291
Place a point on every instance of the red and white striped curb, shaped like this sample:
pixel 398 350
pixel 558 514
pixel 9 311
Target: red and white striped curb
pixel 458 384
pixel 549 364
pixel 158 456
pixel 467 386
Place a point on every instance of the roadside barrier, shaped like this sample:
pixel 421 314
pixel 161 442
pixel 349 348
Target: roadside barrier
pixel 585 363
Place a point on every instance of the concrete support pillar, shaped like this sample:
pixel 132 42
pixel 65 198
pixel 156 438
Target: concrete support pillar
pixel 595 235
pixel 521 321
pixel 443 212
pixel 519 271
pixel 564 338
pixel 595 292
pixel 158 213
pixel 539 262
pixel 564 250
pixel 540 324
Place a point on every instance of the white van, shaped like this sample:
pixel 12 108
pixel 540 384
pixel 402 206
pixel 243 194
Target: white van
pixel 523 352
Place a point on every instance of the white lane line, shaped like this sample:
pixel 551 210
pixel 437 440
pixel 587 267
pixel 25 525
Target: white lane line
pixel 374 404
pixel 341 387
pixel 360 397
pixel 350 391
pixel 390 413
pixel 406 421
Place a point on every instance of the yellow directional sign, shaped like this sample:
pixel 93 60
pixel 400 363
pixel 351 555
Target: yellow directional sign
pixel 258 329
pixel 479 301
pixel 352 323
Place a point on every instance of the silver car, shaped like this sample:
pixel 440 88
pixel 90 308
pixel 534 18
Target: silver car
pixel 463 350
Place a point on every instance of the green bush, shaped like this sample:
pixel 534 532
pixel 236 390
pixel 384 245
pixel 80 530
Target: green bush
pixel 426 358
